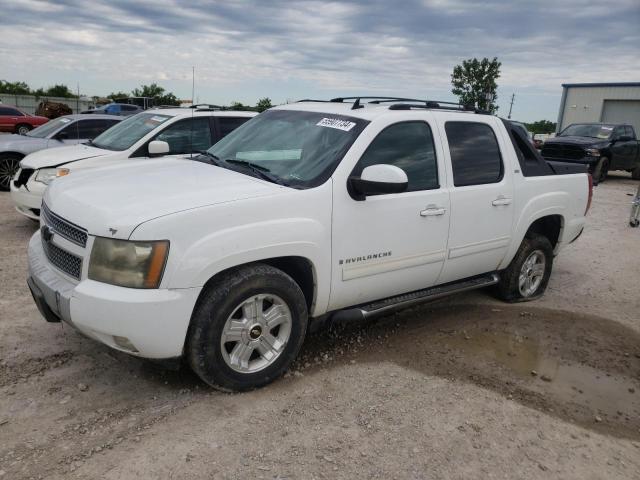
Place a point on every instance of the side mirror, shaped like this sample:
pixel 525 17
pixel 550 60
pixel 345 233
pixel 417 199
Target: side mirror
pixel 62 136
pixel 378 179
pixel 158 148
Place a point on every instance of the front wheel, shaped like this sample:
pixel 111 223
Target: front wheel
pixel 247 328
pixel 527 275
pixel 635 173
pixel 9 165
pixel 601 170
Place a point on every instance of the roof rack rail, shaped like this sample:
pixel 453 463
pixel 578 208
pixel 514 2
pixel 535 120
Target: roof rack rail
pixel 205 105
pixel 401 103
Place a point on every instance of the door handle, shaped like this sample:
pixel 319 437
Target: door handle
pixel 501 200
pixel 432 211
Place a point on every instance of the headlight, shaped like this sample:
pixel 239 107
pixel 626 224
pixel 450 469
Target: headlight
pixel 45 175
pixel 127 263
pixel 593 152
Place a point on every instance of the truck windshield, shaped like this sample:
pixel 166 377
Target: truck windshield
pixel 587 130
pixel 49 128
pixel 124 134
pixel 302 149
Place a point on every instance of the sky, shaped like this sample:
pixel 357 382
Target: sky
pixel 289 49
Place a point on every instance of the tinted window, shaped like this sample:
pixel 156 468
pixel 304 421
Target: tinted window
pixel 187 136
pixel 10 111
pixel 129 108
pixel 409 146
pixel 475 154
pixel 618 132
pixel 229 124
pixel 90 129
pixel 629 132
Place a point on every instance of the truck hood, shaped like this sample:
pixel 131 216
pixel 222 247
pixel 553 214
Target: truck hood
pixel 571 140
pixel 121 197
pixel 54 157
pixel 21 143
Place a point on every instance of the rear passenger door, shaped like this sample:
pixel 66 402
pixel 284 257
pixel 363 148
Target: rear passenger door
pixel 482 198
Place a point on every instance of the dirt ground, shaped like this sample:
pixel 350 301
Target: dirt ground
pixel 467 387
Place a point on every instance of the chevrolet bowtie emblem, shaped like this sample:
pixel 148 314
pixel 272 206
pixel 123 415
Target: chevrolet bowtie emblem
pixel 113 231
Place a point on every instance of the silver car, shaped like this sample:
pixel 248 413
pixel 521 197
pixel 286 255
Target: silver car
pixel 67 130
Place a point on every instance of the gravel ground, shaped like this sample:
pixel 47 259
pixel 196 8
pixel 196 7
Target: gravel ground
pixel 467 387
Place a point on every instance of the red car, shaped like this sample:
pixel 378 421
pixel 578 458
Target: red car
pixel 14 120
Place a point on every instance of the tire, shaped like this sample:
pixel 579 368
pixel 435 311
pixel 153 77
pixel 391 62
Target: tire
pixel 512 287
pixel 600 170
pixel 23 129
pixel 635 173
pixel 257 349
pixel 9 165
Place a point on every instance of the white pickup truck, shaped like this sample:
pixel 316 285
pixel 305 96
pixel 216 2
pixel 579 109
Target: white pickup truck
pixel 309 211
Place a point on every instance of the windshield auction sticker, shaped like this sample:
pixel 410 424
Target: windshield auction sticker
pixel 336 123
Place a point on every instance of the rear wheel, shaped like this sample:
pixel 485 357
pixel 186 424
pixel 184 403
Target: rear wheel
pixel 9 165
pixel 527 275
pixel 247 328
pixel 23 129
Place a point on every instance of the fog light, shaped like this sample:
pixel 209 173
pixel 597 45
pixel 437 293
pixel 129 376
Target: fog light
pixel 125 344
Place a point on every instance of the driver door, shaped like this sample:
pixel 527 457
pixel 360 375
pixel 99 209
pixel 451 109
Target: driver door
pixel 392 243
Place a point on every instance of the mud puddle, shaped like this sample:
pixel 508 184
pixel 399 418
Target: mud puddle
pixel 584 369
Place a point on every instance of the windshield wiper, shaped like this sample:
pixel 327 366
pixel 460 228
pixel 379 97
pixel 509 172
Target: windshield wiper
pixel 259 170
pixel 206 157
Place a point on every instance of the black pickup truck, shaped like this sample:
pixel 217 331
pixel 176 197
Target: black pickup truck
pixel 603 147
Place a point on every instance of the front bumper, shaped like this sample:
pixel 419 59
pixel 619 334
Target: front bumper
pixel 28 202
pixel 146 323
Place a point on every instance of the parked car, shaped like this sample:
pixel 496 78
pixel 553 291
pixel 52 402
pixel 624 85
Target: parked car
pixel 175 131
pixel 603 147
pixel 310 211
pixel 68 130
pixel 121 109
pixel 14 120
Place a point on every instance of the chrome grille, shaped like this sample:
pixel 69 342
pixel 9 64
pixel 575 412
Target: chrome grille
pixel 67 262
pixel 64 228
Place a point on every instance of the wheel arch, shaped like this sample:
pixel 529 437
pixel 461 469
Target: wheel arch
pixel 12 152
pixel 549 226
pixel 300 269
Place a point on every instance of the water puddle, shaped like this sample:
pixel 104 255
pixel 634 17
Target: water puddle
pixel 575 384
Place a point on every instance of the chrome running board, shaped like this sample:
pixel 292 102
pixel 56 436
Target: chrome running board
pixel 405 300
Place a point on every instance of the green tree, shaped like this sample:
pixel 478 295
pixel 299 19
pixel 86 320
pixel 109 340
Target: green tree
pixel 14 88
pixel 156 92
pixel 541 126
pixel 59 91
pixel 263 104
pixel 115 95
pixel 474 80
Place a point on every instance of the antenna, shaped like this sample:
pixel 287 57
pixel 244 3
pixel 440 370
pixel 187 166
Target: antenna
pixel 193 88
pixel 77 112
pixel 513 97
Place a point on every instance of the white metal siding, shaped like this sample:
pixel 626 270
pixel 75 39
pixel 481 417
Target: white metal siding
pixel 622 111
pixel 585 104
pixel 29 103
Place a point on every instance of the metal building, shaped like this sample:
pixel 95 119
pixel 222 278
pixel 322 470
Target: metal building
pixel 600 102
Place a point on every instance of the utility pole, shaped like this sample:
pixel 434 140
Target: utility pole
pixel 513 97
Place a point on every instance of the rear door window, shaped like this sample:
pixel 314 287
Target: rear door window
pixel 475 154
